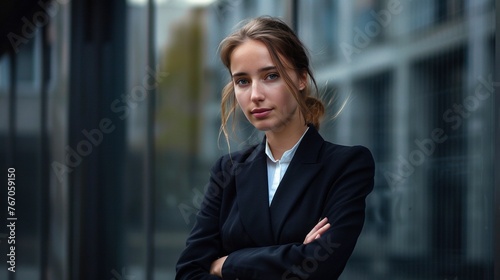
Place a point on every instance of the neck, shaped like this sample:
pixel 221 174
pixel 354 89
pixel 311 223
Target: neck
pixel 281 141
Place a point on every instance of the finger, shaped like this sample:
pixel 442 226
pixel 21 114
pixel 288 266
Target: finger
pixel 309 239
pixel 317 234
pixel 319 225
pixel 323 229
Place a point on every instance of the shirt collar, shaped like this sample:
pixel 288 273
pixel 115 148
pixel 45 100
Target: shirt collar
pixel 287 155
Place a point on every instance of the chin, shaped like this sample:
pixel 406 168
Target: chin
pixel 262 128
pixel 259 125
pixel 265 127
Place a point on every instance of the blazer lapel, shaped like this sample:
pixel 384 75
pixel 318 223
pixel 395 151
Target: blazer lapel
pixel 301 171
pixel 252 197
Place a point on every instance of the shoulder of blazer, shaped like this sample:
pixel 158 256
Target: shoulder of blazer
pixel 314 149
pixel 245 155
pixel 228 162
pixel 342 149
pixel 341 153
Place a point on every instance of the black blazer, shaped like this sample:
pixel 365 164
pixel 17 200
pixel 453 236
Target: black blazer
pixel 265 242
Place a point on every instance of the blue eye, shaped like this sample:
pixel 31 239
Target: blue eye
pixel 272 76
pixel 241 82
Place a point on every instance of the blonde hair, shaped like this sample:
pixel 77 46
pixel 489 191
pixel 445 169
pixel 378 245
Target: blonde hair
pixel 281 42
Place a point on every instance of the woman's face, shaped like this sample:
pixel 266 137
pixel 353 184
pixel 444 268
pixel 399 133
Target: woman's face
pixel 260 91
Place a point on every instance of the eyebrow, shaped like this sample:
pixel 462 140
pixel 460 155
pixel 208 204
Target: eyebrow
pixel 263 69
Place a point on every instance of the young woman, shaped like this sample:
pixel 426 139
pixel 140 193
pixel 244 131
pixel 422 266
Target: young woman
pixel 293 206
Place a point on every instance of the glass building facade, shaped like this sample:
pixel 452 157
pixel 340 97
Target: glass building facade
pixel 110 115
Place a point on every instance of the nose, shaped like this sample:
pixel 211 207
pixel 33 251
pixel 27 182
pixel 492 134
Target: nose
pixel 257 94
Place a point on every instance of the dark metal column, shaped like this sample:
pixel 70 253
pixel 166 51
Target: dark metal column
pixel 44 157
pixel 295 16
pixel 149 159
pixel 496 122
pixel 97 79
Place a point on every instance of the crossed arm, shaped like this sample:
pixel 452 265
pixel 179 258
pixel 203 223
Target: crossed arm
pixel 327 246
pixel 320 228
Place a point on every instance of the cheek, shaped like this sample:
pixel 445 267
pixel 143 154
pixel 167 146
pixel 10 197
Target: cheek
pixel 240 100
pixel 287 100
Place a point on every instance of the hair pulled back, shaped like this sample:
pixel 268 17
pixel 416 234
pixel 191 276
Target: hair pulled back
pixel 286 51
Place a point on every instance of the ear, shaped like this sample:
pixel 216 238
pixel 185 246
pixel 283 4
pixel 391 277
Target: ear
pixel 302 80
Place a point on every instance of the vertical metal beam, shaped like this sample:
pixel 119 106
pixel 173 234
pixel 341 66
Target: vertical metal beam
pixel 44 157
pixel 295 16
pixel 149 159
pixel 291 14
pixel 75 192
pixel 96 80
pixel 496 122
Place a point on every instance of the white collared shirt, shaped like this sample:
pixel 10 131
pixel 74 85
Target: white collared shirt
pixel 276 168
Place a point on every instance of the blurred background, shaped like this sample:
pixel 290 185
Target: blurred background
pixel 109 113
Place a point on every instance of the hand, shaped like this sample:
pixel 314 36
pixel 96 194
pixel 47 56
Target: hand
pixel 320 228
pixel 216 267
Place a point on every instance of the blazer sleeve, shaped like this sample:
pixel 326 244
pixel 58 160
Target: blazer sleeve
pixel 326 257
pixel 203 245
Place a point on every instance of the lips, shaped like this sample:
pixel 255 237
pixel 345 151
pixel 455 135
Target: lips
pixel 260 113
